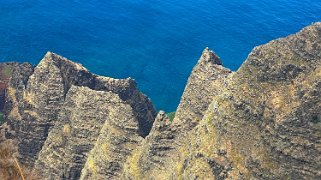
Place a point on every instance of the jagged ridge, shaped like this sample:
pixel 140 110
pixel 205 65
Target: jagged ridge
pixel 260 122
pixel 36 96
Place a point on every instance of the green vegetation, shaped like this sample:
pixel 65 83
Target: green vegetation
pixel 1 118
pixel 7 71
pixel 171 115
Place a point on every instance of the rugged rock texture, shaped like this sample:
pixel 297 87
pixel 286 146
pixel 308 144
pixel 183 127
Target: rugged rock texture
pixel 261 122
pixel 15 71
pixel 266 123
pixel 127 90
pixel 5 74
pixel 14 102
pixel 117 139
pixel 161 147
pixel 206 81
pixel 149 159
pixel 80 122
pixel 35 99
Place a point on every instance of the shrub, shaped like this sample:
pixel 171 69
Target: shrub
pixel 1 118
pixel 171 115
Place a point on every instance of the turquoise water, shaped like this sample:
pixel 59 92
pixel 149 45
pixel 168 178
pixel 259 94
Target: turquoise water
pixel 155 42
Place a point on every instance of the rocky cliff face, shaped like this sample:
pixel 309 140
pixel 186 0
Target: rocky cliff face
pixel 206 81
pixel 36 96
pixel 260 122
pixel 118 138
pixel 86 125
pixel 266 123
pixel 5 74
pixel 161 147
pixel 263 122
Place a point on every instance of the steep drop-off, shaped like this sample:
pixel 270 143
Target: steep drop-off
pixel 36 96
pixel 261 122
pixel 161 148
pixel 267 122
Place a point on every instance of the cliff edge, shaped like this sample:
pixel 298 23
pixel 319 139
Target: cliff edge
pixel 261 122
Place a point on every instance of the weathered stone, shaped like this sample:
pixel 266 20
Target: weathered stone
pixel 206 81
pixel 118 138
pixel 266 120
pixel 5 75
pixel 149 158
pixel 36 97
pixel 261 122
pixel 127 90
pixel 14 94
pixel 161 147
pixel 82 116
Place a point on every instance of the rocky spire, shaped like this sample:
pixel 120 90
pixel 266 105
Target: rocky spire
pixel 261 122
pixel 266 124
pixel 36 102
pixel 209 56
pixel 206 81
pixel 162 146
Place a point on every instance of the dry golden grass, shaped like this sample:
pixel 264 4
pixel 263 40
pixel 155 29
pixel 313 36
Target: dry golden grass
pixel 10 168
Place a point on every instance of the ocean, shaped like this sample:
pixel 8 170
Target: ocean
pixel 155 42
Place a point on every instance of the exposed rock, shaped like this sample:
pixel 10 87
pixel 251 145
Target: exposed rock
pixel 127 90
pixel 35 99
pixel 117 139
pixel 149 158
pixel 14 94
pixel 161 147
pixel 12 74
pixel 5 132
pixel 268 119
pixel 5 74
pixel 82 116
pixel 206 81
pixel 261 122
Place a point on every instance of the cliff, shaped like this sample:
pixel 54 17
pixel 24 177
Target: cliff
pixel 261 122
pixel 35 97
pixel 161 148
pixel 266 123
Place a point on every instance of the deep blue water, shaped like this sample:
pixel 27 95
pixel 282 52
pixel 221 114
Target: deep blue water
pixel 155 42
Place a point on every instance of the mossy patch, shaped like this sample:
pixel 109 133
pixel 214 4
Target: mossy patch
pixel 134 165
pixel 7 71
pixel 200 168
pixel 91 165
pixel 1 118
pixel 171 115
pixel 180 166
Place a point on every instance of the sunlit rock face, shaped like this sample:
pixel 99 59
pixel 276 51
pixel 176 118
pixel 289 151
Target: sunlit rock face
pixel 266 123
pixel 261 122
pixel 36 96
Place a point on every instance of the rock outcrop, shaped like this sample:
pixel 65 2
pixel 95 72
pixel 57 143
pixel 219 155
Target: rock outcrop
pixel 261 122
pixel 161 148
pixel 266 123
pixel 150 158
pixel 36 96
pixel 5 74
pixel 83 124
pixel 118 138
pixel 206 81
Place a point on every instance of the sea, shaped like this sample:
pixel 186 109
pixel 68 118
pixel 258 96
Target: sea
pixel 156 42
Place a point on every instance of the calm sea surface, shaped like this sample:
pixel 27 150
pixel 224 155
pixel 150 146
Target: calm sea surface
pixel 157 42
